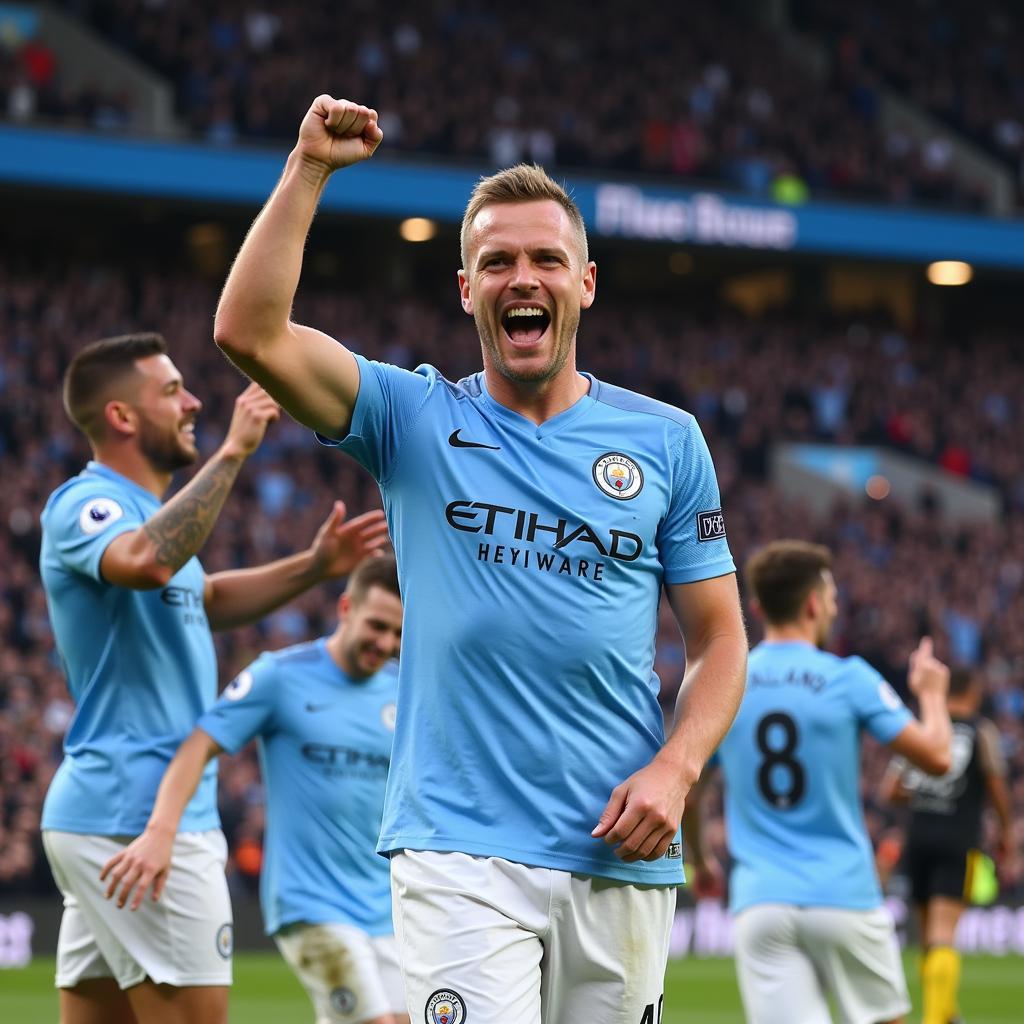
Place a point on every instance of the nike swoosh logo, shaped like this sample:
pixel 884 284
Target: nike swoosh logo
pixel 456 442
pixel 317 707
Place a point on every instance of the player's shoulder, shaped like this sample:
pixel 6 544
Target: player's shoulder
pixel 794 652
pixel 298 657
pixel 94 498
pixel 836 669
pixel 855 667
pixel 849 670
pixel 274 669
pixel 631 403
pixel 425 376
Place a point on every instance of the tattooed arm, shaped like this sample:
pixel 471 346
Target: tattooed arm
pixel 148 557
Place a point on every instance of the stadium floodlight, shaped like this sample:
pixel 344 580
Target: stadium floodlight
pixel 950 272
pixel 417 229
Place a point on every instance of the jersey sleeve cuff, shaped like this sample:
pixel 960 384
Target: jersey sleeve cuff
pixel 109 536
pixel 227 743
pixel 903 719
pixel 696 573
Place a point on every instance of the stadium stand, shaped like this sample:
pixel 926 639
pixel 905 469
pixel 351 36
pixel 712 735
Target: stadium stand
pixel 717 98
pixel 959 61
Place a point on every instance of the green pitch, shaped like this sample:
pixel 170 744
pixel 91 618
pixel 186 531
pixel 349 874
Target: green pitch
pixel 696 992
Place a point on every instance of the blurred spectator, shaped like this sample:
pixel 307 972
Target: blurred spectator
pixel 695 92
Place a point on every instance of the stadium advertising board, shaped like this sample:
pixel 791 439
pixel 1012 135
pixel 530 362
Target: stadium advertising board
pixel 90 163
pixel 706 929
pixel 30 928
pixel 703 219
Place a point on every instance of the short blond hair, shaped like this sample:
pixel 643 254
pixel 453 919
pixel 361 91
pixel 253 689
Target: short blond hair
pixel 524 183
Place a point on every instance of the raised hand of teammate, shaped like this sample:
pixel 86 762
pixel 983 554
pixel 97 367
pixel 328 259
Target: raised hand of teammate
pixel 337 133
pixel 643 814
pixel 339 546
pixel 254 411
pixel 144 862
pixel 927 673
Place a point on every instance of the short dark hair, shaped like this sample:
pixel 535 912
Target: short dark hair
pixel 783 573
pixel 381 571
pixel 97 368
pixel 960 681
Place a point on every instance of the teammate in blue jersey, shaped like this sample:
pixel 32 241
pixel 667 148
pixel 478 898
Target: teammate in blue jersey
pixel 324 717
pixel 809 914
pixel 533 804
pixel 132 610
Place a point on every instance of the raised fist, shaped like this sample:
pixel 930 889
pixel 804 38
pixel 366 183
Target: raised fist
pixel 337 133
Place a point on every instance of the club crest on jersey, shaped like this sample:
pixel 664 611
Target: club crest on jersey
pixel 98 514
pixel 618 476
pixel 387 716
pixel 445 1007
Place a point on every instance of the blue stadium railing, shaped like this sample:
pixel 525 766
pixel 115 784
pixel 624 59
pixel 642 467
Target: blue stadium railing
pixel 90 163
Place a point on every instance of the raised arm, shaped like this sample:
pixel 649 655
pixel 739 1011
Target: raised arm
pixel 148 557
pixel 146 860
pixel 237 596
pixel 644 811
pixel 926 743
pixel 315 378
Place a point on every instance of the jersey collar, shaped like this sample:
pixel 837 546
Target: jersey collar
pixel 100 469
pixel 552 426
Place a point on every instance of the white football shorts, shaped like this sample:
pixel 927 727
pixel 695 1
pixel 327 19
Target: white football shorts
pixel 185 938
pixel 490 941
pixel 350 976
pixel 789 958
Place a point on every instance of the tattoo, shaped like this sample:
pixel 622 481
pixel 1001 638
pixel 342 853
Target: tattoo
pixel 181 527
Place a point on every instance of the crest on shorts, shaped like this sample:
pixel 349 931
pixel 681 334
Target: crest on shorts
pixel 445 1006
pixel 618 476
pixel 343 1001
pixel 226 940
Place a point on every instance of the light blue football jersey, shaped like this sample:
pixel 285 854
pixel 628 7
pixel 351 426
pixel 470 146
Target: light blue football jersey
pixel 531 560
pixel 792 778
pixel 140 664
pixel 325 744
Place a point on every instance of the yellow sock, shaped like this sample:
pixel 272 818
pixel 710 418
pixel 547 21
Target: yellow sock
pixel 940 982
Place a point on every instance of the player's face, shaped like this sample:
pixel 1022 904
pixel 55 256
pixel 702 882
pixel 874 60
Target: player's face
pixel 167 415
pixel 371 632
pixel 829 601
pixel 525 286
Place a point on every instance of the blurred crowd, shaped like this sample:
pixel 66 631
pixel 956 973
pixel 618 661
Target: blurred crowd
pixel 713 97
pixel 959 60
pixel 32 89
pixel 751 383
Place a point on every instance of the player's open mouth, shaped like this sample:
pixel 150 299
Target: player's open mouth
pixel 525 325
